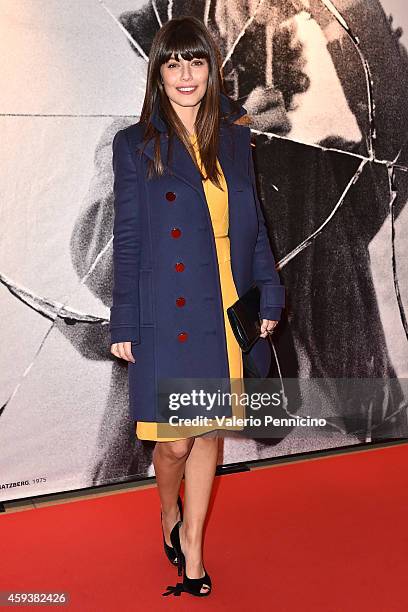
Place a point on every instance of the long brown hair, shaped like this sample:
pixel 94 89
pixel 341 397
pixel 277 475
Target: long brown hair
pixel 186 36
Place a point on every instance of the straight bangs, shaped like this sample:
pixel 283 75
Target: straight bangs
pixel 183 42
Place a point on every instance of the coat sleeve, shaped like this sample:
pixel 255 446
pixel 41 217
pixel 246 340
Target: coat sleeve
pixel 264 272
pixel 124 313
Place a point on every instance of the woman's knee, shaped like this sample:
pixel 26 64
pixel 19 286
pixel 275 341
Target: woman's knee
pixel 178 449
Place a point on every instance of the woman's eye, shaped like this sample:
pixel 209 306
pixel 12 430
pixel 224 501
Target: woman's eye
pixel 196 62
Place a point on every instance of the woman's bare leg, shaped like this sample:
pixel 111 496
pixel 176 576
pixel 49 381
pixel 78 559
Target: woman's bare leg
pixel 198 481
pixel 169 459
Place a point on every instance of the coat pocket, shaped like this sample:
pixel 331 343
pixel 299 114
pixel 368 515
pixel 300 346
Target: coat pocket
pixel 146 297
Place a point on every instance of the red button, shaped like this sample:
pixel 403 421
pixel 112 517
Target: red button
pixel 176 232
pixel 179 266
pixel 182 336
pixel 170 196
pixel 180 301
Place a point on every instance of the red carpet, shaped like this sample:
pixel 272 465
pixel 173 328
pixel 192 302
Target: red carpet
pixel 328 534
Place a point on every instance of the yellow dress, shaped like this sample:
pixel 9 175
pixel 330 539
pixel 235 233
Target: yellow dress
pixel 217 201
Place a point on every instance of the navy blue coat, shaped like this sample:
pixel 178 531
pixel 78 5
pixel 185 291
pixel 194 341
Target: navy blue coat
pixel 188 342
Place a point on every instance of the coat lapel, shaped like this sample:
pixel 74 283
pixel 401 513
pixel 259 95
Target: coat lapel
pixel 182 166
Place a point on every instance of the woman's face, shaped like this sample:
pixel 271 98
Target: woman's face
pixel 185 81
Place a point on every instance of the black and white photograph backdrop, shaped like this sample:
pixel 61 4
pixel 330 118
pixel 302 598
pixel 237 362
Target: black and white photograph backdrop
pixel 326 83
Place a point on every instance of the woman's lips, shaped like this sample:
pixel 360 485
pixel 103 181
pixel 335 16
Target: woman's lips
pixel 190 91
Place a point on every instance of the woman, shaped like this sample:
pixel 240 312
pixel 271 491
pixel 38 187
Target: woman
pixel 183 251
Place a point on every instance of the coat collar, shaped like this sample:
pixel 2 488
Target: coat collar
pixel 182 165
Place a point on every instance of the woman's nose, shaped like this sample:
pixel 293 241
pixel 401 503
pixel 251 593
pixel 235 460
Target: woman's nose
pixel 186 74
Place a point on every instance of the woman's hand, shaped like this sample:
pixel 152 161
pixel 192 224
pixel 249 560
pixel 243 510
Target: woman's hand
pixel 123 350
pixel 267 326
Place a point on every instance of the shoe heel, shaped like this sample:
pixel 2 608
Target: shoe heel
pixel 169 550
pixel 175 540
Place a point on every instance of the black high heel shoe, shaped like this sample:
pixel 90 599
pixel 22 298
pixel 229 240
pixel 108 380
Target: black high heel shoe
pixel 189 585
pixel 169 550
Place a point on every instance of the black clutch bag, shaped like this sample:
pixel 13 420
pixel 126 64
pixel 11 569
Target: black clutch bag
pixel 244 318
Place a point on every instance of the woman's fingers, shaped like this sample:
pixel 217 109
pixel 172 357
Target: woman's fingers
pixel 267 326
pixel 123 350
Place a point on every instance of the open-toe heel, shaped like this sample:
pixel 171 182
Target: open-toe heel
pixel 194 585
pixel 189 585
pixel 169 550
